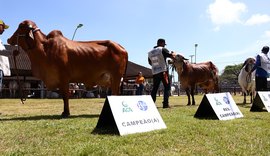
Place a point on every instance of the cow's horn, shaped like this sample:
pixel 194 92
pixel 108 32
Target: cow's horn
pixel 184 58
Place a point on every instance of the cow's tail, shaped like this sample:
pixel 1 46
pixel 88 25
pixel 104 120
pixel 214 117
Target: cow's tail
pixel 119 47
pixel 125 58
pixel 215 76
pixel 124 77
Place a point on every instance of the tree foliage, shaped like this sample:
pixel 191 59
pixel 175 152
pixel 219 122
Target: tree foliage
pixel 230 74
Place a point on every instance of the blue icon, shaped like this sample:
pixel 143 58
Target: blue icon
pixel 142 105
pixel 226 100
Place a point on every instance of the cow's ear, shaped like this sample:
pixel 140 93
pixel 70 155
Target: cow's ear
pixel 31 35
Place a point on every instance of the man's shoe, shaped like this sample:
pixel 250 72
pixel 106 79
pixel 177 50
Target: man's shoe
pixel 166 106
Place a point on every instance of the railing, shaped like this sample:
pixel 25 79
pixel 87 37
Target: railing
pixel 83 93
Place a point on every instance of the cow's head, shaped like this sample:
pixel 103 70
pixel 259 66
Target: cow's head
pixel 178 63
pixel 23 36
pixel 249 64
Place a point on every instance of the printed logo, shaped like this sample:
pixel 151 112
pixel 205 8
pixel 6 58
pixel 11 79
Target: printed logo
pixel 126 107
pixel 226 100
pixel 264 98
pixel 217 102
pixel 142 105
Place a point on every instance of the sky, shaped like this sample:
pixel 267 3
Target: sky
pixel 226 31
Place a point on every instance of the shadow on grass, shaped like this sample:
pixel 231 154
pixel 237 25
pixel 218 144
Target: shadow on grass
pixel 49 117
pixel 244 105
pixel 175 106
pixel 106 131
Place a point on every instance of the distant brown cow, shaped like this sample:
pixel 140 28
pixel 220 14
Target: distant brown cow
pixel 59 61
pixel 205 75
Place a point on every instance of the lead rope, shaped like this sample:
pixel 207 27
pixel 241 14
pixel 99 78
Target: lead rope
pixel 21 93
pixel 173 73
pixel 248 78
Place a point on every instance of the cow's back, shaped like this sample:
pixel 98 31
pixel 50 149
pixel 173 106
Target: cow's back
pixel 90 62
pixel 105 60
pixel 203 71
pixel 204 74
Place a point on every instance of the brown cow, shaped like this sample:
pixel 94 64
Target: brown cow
pixel 205 75
pixel 59 61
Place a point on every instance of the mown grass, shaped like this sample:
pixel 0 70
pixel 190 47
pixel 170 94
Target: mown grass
pixel 36 128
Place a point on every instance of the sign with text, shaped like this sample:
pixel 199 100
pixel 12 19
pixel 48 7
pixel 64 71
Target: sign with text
pixel 130 114
pixel 218 106
pixel 261 101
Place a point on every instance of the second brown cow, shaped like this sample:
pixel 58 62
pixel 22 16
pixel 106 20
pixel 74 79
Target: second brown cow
pixel 205 75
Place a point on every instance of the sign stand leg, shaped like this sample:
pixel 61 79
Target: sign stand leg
pixel 205 110
pixel 106 122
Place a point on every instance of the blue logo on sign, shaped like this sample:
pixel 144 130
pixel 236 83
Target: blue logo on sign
pixel 142 105
pixel 226 100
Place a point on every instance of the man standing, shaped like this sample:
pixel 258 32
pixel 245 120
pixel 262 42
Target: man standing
pixel 157 59
pixel 3 26
pixel 262 67
pixel 139 84
pixel 4 63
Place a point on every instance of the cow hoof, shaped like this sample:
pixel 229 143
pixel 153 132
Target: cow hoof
pixel 65 115
pixel 193 104
pixel 188 104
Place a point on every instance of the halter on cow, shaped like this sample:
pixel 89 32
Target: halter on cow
pixel 205 75
pixel 59 61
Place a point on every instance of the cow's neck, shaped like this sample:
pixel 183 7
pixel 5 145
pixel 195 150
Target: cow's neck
pixel 37 54
pixel 185 66
pixel 39 39
pixel 182 74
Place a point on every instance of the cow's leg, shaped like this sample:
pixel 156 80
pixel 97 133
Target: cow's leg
pixel 245 101
pixel 253 93
pixel 251 97
pixel 65 93
pixel 216 87
pixel 192 95
pixel 188 95
pixel 115 87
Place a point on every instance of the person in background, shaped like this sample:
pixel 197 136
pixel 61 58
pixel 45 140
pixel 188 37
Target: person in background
pixel 3 26
pixel 4 64
pixel 262 67
pixel 139 84
pixel 3 59
pixel 157 59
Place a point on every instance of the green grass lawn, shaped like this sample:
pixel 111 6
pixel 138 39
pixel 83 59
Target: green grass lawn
pixel 36 128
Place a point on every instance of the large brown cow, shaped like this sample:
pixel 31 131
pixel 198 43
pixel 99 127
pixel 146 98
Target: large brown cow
pixel 59 61
pixel 205 75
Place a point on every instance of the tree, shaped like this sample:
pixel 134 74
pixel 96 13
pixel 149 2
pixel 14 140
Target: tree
pixel 230 74
pixel 232 71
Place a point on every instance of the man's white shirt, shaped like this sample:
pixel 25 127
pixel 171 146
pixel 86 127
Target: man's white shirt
pixel 4 62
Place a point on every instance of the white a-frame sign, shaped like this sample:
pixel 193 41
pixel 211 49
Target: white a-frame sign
pixel 261 101
pixel 218 106
pixel 129 114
